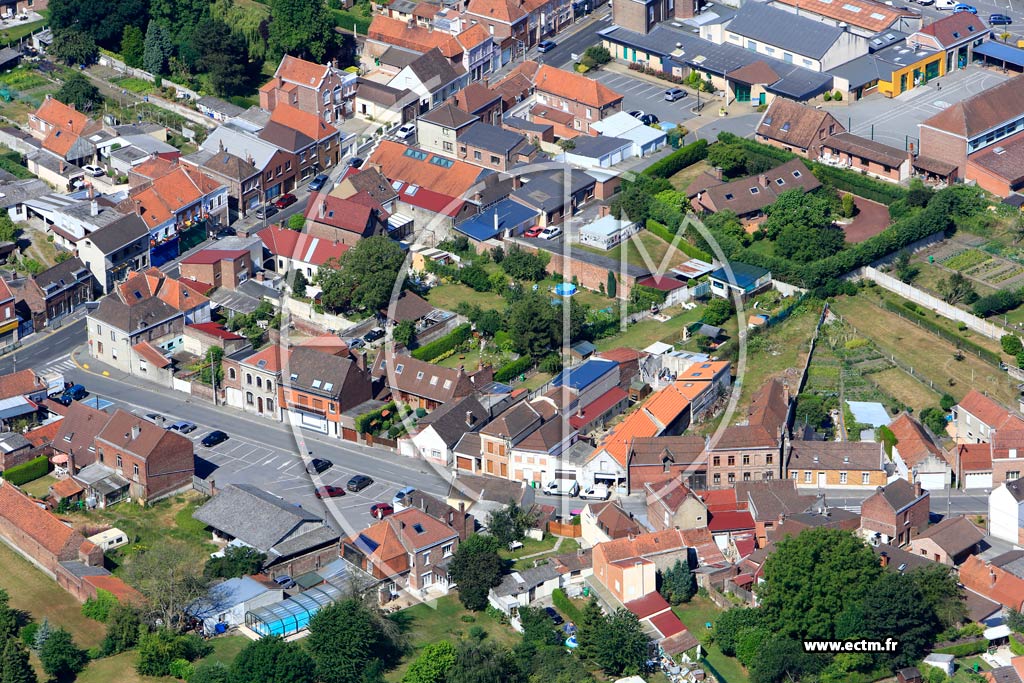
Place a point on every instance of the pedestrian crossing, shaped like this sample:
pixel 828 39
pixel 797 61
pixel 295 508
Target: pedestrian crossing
pixel 65 365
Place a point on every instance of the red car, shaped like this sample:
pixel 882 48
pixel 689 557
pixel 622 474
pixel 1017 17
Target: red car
pixel 533 232
pixel 381 510
pixel 329 492
pixel 285 200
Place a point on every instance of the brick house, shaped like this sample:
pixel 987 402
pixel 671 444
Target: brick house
pixel 949 542
pixel 895 513
pixel 76 436
pixel 670 504
pixel 835 464
pixel 770 502
pixel 423 385
pixel 319 387
pixel 278 168
pixel 323 90
pixel 584 100
pixel 408 551
pixel 641 17
pixel 866 156
pixel 157 462
pixel 977 417
pixel 294 539
pixel 955 35
pixel 752 452
pixel 225 268
pixel 253 383
pixel 238 174
pixel 916 456
pixel 345 221
pixel 480 101
pixel 53 293
pixel 652 460
pixel 796 127
pixel 316 144
pixel 1000 579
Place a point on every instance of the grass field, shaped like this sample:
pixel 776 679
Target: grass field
pixel 121 668
pixel 646 332
pixel 40 488
pixel 450 295
pixel 786 348
pixel 40 596
pixel 695 614
pixel 930 356
pixel 905 389
pixel 654 249
pixel 682 180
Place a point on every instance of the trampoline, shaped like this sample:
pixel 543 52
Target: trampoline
pixel 291 615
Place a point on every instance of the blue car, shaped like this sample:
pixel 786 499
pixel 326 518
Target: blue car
pixel 965 8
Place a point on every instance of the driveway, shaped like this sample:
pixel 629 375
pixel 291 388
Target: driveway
pixel 639 93
pixel 871 219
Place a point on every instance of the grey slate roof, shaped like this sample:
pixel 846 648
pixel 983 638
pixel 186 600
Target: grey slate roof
pixel 449 421
pixel 785 30
pixel 596 146
pixel 522 581
pixel 123 231
pixel 899 494
pixel 434 70
pixel 313 370
pixel 545 191
pixel 491 138
pixel 254 516
pixel 139 315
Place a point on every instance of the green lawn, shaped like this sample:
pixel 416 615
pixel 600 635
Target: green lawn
pixel 121 668
pixel 646 332
pixel 40 488
pixel 13 34
pixel 654 247
pixel 450 295
pixel 695 615
pixel 136 85
pixel 682 180
pixel 531 546
pixel 785 347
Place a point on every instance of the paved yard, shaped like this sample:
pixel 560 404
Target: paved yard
pixel 639 93
pixel 871 219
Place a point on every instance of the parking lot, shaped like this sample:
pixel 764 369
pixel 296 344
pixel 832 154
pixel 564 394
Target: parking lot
pixel 649 97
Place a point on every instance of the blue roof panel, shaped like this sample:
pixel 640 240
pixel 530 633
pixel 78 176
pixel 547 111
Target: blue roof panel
pixel 510 214
pixel 1001 51
pixel 582 376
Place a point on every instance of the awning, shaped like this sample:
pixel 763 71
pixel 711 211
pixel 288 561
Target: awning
pixel 997 632
pixel 1001 52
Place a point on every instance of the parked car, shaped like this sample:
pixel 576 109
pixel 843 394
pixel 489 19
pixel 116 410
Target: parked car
pixel 546 46
pixel 999 20
pixel 356 343
pixel 649 119
pixel 355 162
pixel 213 438
pixel 405 131
pixel 381 510
pixel 222 232
pixel 595 492
pixel 673 94
pixel 637 113
pixel 329 492
pixel 401 495
pixel 318 183
pixel 358 483
pixel 76 392
pixel 183 426
pixel 373 335
pixel 318 465
pixel 94 171
pixel 155 417
pixel 556 618
pixel 285 200
pixel 551 232
pixel 562 487
pixel 961 7
pixel 533 232
pixel 266 211
pixel 285 582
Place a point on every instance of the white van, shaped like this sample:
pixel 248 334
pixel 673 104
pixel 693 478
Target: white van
pixel 562 487
pixel 110 539
pixel 946 4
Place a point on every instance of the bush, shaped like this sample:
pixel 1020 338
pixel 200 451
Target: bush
pixel 513 369
pixel 98 608
pixel 363 422
pixel 827 96
pixel 182 669
pixel 837 96
pixel 999 302
pixel 450 341
pixel 564 605
pixel 678 160
pixel 476 278
pixel 656 228
pixel 29 471
pixel 551 364
pixel 965 649
pixel 1011 344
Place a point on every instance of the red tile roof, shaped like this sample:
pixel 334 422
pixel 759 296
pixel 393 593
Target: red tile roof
pixel 310 125
pixel 182 188
pixel 616 444
pixel 270 356
pixel 975 457
pixel 912 442
pixel 208 256
pixel 668 624
pixel 667 405
pixel 730 520
pixel 397 32
pixel 302 72
pixel 989 411
pixel 124 593
pixel 19 383
pixel 955 28
pixel 434 202
pixel 42 527
pixel 349 215
pixel 59 141
pixel 621 354
pixel 721 500
pixel 397 162
pixel 66 488
pixel 216 330
pixel 56 113
pixel 597 407
pixel 151 354
pixel 647 606
pixel 299 246
pixel 43 435
pixel 574 87
pixel 993 582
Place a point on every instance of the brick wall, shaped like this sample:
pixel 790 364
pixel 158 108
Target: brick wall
pixel 989 181
pixel 943 146
pixel 590 276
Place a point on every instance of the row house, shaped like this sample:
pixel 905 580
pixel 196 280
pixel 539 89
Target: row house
pixel 977 417
pixel 796 127
pixel 450 131
pixel 654 460
pixel 252 383
pixel 895 513
pixel 439 431
pixel 673 505
pixel 770 503
pixel 62 130
pixel 752 451
pixel 950 542
pixel 292 251
pixel 345 221
pixel 916 456
pixel 1006 512
pixel 506 432
pixel 225 268
pixel 278 168
pixel 316 144
pixel 518 25
pixel 239 175
pixel 1000 579
pixel 606 521
pixel 478 100
pixel 52 294
pixel 317 387
pixel 115 251
pixel 836 464
pixel 581 100
pixel 10 323
pixel 419 384
pixel 323 90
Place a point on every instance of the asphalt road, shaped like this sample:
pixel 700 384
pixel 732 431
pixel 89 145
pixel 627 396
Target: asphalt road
pixel 576 43
pixel 48 349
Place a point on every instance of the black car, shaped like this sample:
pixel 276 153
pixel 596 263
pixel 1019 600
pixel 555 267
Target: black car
pixel 648 119
pixel 318 465
pixel 214 438
pixel 318 183
pixel 223 232
pixel 373 335
pixel 556 618
pixel 355 162
pixel 999 20
pixel 358 483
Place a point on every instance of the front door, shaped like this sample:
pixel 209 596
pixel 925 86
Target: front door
pixel 742 92
pixel 760 99
pixel 822 482
pixel 259 405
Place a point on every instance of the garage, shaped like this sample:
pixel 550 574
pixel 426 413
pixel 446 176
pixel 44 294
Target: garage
pixel 932 481
pixel 317 423
pixel 464 463
pixel 978 480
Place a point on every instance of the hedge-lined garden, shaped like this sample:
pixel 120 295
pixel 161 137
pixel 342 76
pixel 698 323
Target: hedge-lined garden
pixel 441 348
pixel 29 471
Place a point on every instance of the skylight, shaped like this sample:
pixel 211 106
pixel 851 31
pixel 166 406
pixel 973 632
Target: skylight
pixel 442 162
pixel 780 181
pixel 418 527
pixel 851 8
pixel 412 189
pixel 797 174
pixel 767 120
pixel 138 294
pixel 447 384
pixel 419 375
pixel 876 15
pixel 433 381
pixel 785 127
pixel 316 384
pixel 728 195
pixel 754 190
pixel 417 154
pixel 398 370
pixel 262 364
pixel 295 376
pixel 328 386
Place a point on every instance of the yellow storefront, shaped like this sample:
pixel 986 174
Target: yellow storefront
pixel 918 73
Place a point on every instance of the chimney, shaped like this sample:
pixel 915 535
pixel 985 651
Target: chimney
pixel 991 578
pixel 603 210
pixel 220 145
pixel 411 24
pixel 94 207
pixel 884 559
pixel 62 166
pixel 717 172
pixel 917 489
pixel 470 418
pixel 910 153
pixel 323 208
pixel 135 432
pixel 763 180
pixel 140 207
pixel 360 359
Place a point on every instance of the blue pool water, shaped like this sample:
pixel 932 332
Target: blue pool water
pixel 565 289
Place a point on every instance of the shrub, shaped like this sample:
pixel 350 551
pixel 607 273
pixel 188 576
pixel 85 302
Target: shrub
pixel 656 228
pixel 827 96
pixel 1011 344
pixel 855 183
pixel 182 669
pixel 363 422
pixel 965 649
pixel 450 341
pixel 551 364
pixel 98 608
pixel 837 96
pixel 565 606
pixel 998 302
pixel 678 160
pixel 513 369
pixel 29 471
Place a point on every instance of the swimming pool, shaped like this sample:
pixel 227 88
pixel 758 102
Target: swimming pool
pixel 565 289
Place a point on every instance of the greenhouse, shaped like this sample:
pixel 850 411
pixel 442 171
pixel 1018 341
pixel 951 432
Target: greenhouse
pixel 292 615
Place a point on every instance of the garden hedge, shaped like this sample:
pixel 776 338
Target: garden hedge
pixel 656 228
pixel 438 347
pixel 362 422
pixel 860 185
pixel 513 369
pixel 678 160
pixel 29 471
pixel 964 649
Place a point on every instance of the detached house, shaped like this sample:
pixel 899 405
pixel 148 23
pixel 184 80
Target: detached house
pixel 749 197
pixel 796 127
pixel 323 90
pixel 571 102
pixel 949 542
pixel 895 513
pixel 409 550
pixel 916 456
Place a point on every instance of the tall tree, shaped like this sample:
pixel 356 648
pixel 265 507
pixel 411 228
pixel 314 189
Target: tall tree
pixel 272 660
pixel 510 523
pixel 731 624
pixel 405 333
pixel 537 627
pixel 302 28
pixel 590 621
pixel 895 608
pixel 223 55
pixel 941 593
pixel 177 16
pixel 79 92
pixel 364 276
pixel 957 289
pixel 345 639
pixel 102 20
pixel 807 243
pixel 169 580
pixel 482 662
pixel 73 46
pixel 431 664
pixel 157 49
pixel 476 568
pixel 8 618
pixel 60 657
pixel 811 578
pixel 123 624
pixel 620 644
pixel 534 325
pixel 133 44
pixel 677 583
pixel 14 664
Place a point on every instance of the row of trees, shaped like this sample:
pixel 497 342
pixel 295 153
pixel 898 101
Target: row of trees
pixel 826 584
pixel 191 38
